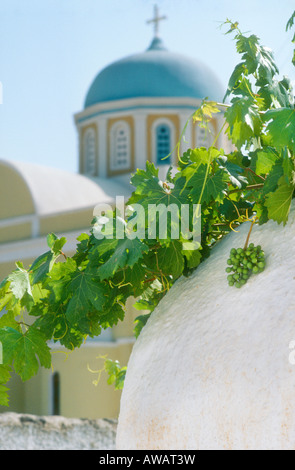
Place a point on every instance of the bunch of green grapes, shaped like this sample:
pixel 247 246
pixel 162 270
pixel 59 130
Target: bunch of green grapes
pixel 243 262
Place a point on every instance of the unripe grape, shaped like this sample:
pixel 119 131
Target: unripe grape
pixel 243 262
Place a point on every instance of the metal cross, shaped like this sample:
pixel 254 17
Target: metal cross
pixel 156 20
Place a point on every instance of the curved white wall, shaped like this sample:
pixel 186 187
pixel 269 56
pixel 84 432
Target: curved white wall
pixel 211 368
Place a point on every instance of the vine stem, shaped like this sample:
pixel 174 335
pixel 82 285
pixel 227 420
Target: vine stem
pixel 249 233
pixel 247 188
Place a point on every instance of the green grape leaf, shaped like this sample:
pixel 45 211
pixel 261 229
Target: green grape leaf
pixel 264 160
pixel 24 350
pixel 44 263
pixel 6 296
pixel 4 398
pixel 41 267
pixel 206 188
pixel 127 253
pixel 272 179
pixel 59 278
pixel 235 78
pixel 244 121
pixel 203 155
pixel 193 258
pixel 116 373
pixel 20 282
pixel 280 127
pixel 8 319
pixel 276 94
pixel 278 203
pixel 170 259
pixel 4 378
pixel 88 293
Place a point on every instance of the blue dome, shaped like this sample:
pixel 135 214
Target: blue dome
pixel 156 72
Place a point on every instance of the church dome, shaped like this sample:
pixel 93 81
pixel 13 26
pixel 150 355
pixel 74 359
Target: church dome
pixel 154 73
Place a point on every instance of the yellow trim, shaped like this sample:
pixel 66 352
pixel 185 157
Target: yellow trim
pixel 16 232
pixel 174 119
pixel 82 163
pixel 16 198
pixel 111 122
pixel 66 221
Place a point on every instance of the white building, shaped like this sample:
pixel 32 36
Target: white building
pixel 135 110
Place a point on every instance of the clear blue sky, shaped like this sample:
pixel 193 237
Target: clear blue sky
pixel 51 50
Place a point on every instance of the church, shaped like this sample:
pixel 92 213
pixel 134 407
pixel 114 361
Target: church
pixel 134 111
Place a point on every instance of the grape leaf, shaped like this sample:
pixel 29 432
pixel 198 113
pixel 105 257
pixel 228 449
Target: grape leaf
pixel 88 293
pixel 127 253
pixel 41 267
pixel 20 282
pixel 243 119
pixel 272 179
pixel 281 127
pixel 193 258
pixel 214 186
pixel 4 378
pixel 264 160
pixel 278 202
pixel 44 263
pixel 170 259
pixel 203 155
pixel 23 350
pixel 59 278
pixel 116 373
pixel 8 319
pixel 235 78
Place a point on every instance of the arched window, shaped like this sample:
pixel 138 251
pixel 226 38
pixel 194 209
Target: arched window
pixel 163 144
pixel 120 146
pixel 204 137
pixel 56 394
pixel 90 152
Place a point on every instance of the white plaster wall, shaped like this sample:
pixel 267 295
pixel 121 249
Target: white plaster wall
pixel 211 368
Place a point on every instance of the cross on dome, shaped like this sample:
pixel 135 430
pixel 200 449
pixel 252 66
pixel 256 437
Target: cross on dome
pixel 156 20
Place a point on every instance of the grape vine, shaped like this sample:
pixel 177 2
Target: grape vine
pixel 67 299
